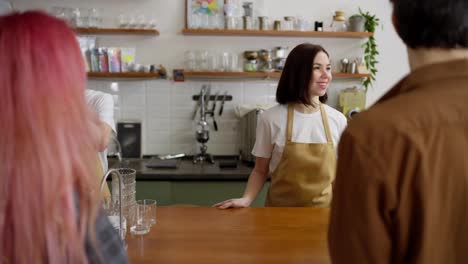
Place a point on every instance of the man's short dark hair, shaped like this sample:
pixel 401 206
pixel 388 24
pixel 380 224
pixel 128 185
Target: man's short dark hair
pixel 432 23
pixel 293 86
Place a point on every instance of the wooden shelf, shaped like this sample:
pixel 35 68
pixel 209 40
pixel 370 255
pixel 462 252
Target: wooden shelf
pixel 233 74
pixel 117 31
pixel 350 75
pixel 190 74
pixel 275 33
pixel 122 75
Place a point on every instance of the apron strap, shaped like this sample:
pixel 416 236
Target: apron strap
pixel 290 123
pixel 325 124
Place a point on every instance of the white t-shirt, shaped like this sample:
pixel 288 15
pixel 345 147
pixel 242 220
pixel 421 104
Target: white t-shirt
pixel 307 128
pixel 103 105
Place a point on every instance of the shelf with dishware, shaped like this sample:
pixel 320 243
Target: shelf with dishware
pixel 275 33
pixel 274 75
pixel 128 31
pixel 129 75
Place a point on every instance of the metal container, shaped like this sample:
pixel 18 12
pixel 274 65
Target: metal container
pixel 351 67
pixel 248 8
pixel 357 23
pixel 248 127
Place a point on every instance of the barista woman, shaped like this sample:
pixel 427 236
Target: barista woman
pixel 296 140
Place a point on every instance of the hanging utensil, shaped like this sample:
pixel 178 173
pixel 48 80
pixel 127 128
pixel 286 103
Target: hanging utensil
pixel 197 106
pixel 222 103
pixel 213 109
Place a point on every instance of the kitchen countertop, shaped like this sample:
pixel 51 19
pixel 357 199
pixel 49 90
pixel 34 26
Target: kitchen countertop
pixel 186 171
pixel 249 235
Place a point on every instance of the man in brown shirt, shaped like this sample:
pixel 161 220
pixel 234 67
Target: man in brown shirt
pixel 401 190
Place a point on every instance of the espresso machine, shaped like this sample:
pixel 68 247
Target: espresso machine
pixel 202 133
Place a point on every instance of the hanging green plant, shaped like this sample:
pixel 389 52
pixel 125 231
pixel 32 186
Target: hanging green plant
pixel 370 48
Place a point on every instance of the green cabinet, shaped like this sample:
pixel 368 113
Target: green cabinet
pixel 201 193
pixel 157 190
pixel 209 193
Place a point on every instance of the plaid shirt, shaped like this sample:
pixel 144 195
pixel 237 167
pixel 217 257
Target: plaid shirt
pixel 108 247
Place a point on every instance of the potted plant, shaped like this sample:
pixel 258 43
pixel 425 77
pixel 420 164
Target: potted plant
pixel 370 47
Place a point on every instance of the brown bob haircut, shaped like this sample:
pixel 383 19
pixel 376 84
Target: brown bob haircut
pixel 293 86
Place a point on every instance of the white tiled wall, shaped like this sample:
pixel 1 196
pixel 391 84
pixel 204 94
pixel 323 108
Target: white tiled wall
pixel 165 109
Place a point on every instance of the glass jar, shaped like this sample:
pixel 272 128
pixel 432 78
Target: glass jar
pixel 339 22
pixel 263 23
pixel 277 25
pixel 230 22
pixel 247 22
pixel 250 66
pixel 288 23
pixel 339 25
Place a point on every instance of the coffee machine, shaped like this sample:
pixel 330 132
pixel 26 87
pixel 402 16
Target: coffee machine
pixel 202 133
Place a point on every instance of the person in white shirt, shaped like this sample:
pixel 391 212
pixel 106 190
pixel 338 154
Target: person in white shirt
pixel 296 140
pixel 103 105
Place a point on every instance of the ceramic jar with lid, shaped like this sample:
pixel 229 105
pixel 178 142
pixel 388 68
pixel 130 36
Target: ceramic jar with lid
pixel 357 23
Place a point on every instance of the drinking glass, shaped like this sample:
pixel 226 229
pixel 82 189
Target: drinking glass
pixel 140 220
pixel 94 18
pixel 190 61
pixel 152 205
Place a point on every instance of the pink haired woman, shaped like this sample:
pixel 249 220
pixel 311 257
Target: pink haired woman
pixel 49 200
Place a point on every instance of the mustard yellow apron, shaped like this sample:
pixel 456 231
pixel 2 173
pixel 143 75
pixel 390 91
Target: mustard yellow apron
pixel 100 174
pixel 306 171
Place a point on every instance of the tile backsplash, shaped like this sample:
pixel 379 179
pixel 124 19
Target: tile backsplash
pixel 165 109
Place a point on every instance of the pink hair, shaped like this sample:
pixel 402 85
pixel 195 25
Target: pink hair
pixel 46 149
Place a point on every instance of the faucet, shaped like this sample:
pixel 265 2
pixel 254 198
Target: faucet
pixel 103 182
pixel 117 151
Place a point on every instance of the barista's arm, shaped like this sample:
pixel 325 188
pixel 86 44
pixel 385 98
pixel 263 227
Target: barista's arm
pixel 256 181
pixel 105 132
pixel 101 132
pixel 102 104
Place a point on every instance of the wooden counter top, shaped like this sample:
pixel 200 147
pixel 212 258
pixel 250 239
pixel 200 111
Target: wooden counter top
pixel 208 235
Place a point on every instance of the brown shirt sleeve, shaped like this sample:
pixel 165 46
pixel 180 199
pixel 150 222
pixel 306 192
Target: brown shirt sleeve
pixel 359 230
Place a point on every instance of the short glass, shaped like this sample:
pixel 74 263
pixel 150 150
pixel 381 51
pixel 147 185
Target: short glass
pixel 140 222
pixel 151 204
